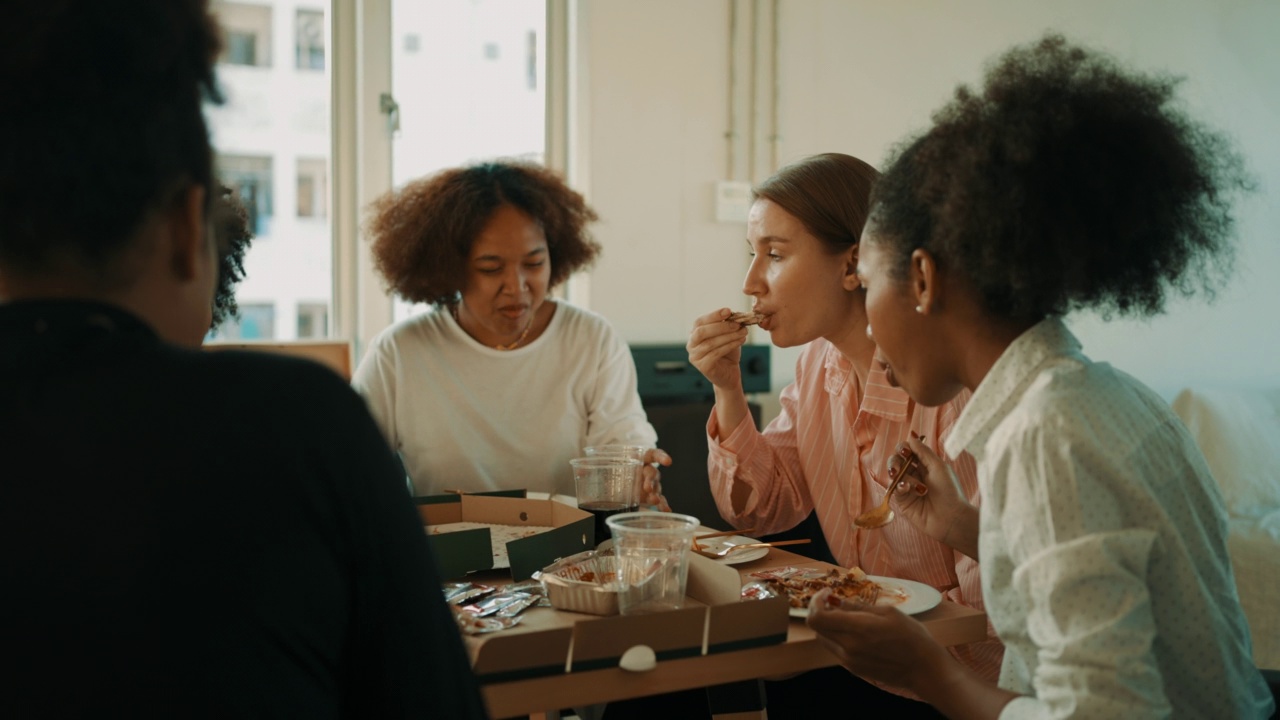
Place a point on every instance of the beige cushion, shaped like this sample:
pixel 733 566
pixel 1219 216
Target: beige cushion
pixel 1239 433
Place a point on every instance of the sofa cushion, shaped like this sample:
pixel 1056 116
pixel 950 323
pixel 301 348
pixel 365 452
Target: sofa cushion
pixel 1239 433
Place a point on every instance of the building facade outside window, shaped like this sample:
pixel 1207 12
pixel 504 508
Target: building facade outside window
pixel 273 139
pixel 313 320
pixel 309 39
pixel 250 177
pixel 257 321
pixel 313 188
pixel 468 76
pixel 247 31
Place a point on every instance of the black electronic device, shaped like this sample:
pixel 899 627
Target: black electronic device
pixel 664 373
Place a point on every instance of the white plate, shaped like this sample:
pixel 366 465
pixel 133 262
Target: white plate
pixel 920 597
pixel 737 556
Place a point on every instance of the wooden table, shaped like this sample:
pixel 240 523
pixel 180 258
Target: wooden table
pixel 949 623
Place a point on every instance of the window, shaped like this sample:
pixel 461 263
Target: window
pixel 250 177
pixel 313 320
pixel 247 32
pixel 278 123
pixel 276 126
pixel 309 39
pixel 242 48
pixel 313 188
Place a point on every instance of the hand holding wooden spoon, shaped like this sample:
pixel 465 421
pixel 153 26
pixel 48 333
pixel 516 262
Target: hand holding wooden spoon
pixel 929 497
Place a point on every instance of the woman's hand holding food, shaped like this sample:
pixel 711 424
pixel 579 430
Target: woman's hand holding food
pixel 715 348
pixel 929 497
pixel 651 479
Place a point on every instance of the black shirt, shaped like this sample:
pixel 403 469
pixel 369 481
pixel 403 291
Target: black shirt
pixel 204 534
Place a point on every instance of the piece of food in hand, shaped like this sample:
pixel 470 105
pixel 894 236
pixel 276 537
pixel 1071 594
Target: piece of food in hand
pixel 746 318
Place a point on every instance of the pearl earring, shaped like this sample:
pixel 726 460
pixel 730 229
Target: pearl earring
pixel 920 309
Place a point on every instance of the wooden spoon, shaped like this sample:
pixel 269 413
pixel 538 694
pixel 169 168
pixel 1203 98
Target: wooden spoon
pixel 882 514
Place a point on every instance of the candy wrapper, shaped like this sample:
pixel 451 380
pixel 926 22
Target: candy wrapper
pixel 505 604
pixel 758 591
pixel 484 609
pixel 458 593
pixel 532 587
pixel 471 625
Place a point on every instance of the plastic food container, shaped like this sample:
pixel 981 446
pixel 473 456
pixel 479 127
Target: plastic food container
pixel 585 583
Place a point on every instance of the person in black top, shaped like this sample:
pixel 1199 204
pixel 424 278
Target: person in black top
pixel 184 534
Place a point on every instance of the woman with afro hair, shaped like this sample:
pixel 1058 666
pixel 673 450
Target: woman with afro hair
pixel 502 385
pixel 1067 183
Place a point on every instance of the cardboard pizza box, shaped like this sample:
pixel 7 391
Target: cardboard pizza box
pixel 458 553
pixel 713 620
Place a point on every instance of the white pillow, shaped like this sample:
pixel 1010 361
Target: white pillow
pixel 1239 433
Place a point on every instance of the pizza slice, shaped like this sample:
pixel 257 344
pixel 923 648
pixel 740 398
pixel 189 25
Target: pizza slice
pixel 746 318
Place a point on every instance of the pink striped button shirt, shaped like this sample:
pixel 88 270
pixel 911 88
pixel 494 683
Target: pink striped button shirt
pixel 819 454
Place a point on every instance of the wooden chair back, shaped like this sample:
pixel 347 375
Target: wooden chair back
pixel 335 354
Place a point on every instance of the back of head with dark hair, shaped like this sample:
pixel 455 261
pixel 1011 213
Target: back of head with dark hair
pixel 422 233
pixel 101 121
pixel 1067 183
pixel 828 193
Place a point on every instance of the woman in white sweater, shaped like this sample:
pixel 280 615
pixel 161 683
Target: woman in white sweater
pixel 501 385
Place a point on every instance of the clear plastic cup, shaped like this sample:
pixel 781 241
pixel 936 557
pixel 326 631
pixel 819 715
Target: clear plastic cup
pixel 632 451
pixel 636 452
pixel 653 559
pixel 605 486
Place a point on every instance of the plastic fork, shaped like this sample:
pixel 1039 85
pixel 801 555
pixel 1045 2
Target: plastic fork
pixel 725 552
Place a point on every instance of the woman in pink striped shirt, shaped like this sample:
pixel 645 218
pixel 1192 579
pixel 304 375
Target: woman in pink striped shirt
pixel 841 419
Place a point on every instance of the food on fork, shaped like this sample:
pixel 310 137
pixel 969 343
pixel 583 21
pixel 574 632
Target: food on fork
pixel 746 318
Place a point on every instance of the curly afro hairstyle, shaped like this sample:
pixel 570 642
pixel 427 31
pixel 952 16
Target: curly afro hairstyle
pixel 422 233
pixel 1067 183
pixel 233 237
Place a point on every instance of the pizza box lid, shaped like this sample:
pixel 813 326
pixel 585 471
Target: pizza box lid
pixel 458 553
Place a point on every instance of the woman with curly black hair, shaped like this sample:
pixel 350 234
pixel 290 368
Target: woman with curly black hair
pixel 1066 183
pixel 503 385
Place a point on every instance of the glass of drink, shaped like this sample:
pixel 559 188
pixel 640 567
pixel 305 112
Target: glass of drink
pixel 653 559
pixel 605 485
pixel 636 452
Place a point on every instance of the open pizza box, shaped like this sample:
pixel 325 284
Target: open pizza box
pixel 539 532
pixel 714 619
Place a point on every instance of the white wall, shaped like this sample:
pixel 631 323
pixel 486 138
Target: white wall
pixel 856 76
pixel 656 100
